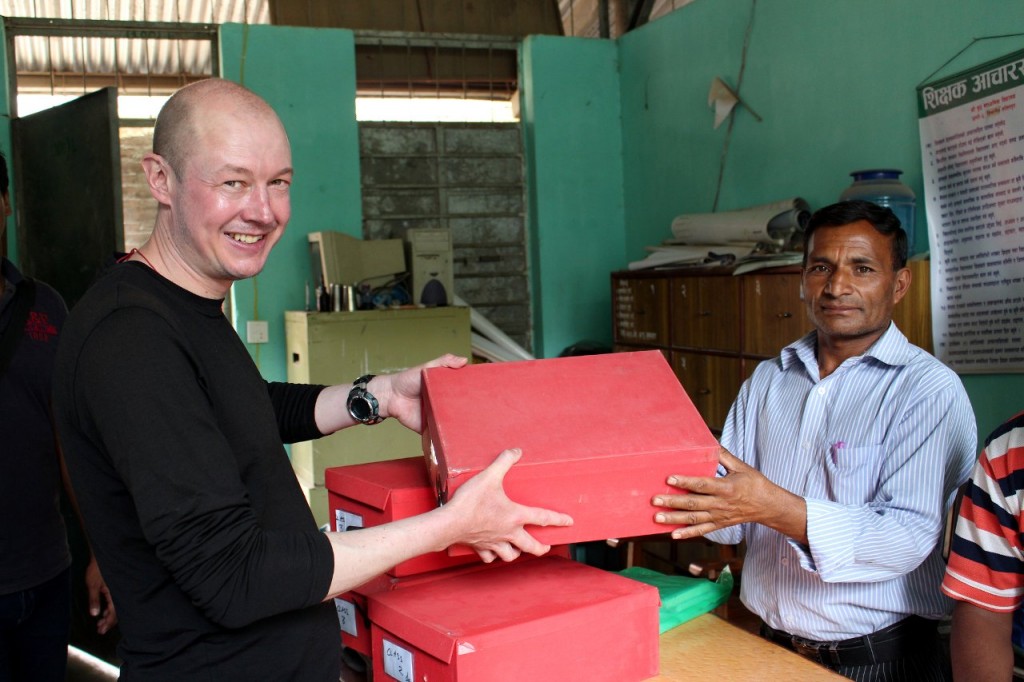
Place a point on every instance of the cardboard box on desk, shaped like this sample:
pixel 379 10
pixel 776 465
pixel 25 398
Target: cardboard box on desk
pixel 372 494
pixel 546 619
pixel 600 435
pixel 353 615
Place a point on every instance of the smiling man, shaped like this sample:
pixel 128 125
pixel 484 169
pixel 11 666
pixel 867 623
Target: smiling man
pixel 175 442
pixel 841 457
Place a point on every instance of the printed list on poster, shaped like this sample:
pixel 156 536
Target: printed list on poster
pixel 972 149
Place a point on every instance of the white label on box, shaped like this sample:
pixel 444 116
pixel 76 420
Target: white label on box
pixel 397 662
pixel 344 520
pixel 347 616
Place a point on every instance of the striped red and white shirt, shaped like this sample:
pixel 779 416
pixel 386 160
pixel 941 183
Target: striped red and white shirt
pixel 986 561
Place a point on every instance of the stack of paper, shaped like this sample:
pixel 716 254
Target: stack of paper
pixel 757 235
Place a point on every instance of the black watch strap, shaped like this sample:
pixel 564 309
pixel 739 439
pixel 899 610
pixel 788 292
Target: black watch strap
pixel 362 405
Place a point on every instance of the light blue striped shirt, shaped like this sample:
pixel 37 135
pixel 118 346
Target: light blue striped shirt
pixel 877 449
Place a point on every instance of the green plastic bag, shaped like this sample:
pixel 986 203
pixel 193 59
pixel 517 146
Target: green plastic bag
pixel 683 598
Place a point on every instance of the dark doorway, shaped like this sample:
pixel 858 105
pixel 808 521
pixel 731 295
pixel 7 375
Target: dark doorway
pixel 67 181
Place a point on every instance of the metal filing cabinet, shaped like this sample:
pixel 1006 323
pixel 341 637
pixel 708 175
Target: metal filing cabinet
pixel 335 348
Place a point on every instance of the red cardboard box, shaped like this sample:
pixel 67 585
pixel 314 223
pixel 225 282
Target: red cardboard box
pixel 372 494
pixel 353 614
pixel 600 435
pixel 353 617
pixel 548 619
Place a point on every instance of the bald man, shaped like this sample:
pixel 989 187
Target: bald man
pixel 175 442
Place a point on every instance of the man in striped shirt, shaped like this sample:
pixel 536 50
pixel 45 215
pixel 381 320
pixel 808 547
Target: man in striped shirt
pixel 840 459
pixel 986 562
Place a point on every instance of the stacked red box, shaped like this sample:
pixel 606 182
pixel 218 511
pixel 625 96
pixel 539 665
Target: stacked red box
pixel 548 619
pixel 353 612
pixel 600 435
pixel 353 616
pixel 365 495
pixel 372 494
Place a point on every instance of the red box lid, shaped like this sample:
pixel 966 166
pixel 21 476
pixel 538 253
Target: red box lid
pixel 510 602
pixel 599 434
pixel 380 492
pixel 375 483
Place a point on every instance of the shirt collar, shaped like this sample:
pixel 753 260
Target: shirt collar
pixel 891 348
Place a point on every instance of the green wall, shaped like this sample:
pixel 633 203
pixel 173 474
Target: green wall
pixel 572 137
pixel 835 84
pixel 618 137
pixel 308 76
pixel 5 145
pixel 573 147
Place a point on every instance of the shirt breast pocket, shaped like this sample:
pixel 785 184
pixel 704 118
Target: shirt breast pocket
pixel 851 473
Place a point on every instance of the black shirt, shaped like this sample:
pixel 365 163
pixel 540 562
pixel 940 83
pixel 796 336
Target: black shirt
pixel 174 443
pixel 33 541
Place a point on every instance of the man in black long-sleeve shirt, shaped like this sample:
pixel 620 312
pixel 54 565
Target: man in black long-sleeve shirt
pixel 174 440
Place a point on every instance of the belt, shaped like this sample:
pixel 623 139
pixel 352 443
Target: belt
pixel 902 639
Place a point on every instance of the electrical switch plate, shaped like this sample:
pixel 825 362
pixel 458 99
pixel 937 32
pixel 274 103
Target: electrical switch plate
pixel 257 331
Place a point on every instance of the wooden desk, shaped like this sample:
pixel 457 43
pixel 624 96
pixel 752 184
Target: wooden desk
pixel 709 648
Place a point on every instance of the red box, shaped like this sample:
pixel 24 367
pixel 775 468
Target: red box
pixel 353 616
pixel 372 494
pixel 548 619
pixel 600 435
pixel 353 613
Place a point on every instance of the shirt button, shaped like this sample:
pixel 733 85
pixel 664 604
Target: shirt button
pixel 822 390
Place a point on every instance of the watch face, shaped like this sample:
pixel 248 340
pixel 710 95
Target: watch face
pixel 361 408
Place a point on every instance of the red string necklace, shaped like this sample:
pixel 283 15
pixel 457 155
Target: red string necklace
pixel 128 256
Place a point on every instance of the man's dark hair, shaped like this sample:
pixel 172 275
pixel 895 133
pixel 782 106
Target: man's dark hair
pixel 5 180
pixel 855 210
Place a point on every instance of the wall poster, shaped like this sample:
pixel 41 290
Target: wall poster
pixel 972 152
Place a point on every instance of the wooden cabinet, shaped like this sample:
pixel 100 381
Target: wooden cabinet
pixel 913 315
pixel 705 313
pixel 711 381
pixel 714 328
pixel 773 312
pixel 641 311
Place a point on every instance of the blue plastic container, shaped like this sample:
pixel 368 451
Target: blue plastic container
pixel 883 187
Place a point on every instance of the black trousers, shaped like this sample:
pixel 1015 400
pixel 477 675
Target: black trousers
pixel 908 651
pixel 34 626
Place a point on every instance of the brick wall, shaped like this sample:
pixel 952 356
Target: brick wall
pixel 139 206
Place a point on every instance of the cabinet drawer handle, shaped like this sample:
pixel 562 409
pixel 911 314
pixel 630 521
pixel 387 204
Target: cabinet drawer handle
pixel 704 391
pixel 704 313
pixel 784 315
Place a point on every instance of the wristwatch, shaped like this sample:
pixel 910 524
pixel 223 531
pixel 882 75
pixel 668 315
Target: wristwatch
pixel 362 405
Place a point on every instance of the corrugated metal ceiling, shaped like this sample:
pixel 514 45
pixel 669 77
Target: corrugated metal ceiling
pixel 55 62
pixel 62 64
pixel 189 11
